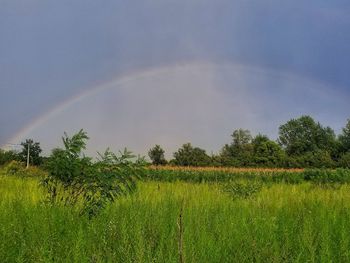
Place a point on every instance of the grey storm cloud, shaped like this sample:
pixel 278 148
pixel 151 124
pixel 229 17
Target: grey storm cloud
pixel 52 51
pixel 193 102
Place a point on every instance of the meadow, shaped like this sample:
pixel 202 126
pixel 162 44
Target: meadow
pixel 179 221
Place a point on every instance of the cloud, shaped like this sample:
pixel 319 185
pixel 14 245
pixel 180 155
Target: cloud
pixel 194 102
pixel 53 50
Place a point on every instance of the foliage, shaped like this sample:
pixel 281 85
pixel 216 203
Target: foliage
pixel 226 157
pixel 344 160
pixel 222 175
pixel 316 159
pixel 344 138
pixel 8 156
pixel 303 135
pixel 73 177
pixel 240 151
pixel 188 155
pixel 241 137
pixel 34 152
pixel 14 168
pixel 216 175
pixel 156 154
pixel 324 176
pixel 17 168
pixel 267 153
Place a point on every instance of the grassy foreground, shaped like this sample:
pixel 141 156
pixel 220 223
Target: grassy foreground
pixel 282 223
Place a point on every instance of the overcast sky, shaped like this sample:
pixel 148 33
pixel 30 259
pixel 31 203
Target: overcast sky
pixel 137 73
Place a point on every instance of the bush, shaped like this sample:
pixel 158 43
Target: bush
pixel 7 156
pixel 14 168
pixel 316 159
pixel 74 179
pixel 345 160
pixel 18 169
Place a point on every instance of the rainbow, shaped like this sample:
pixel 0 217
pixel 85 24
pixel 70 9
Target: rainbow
pixel 149 73
pixel 117 82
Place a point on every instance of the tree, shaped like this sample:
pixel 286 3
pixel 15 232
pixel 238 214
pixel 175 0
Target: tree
pixel 315 159
pixel 34 152
pixel 239 152
pixel 302 135
pixel 188 155
pixel 156 154
pixel 226 156
pixel 266 152
pixel 345 160
pixel 344 138
pixel 8 156
pixel 241 138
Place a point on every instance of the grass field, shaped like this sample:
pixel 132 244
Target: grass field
pixel 281 223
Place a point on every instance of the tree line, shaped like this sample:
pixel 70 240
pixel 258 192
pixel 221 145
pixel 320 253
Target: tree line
pixel 302 143
pixel 35 151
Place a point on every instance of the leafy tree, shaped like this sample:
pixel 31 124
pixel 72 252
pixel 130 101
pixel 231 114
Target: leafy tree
pixel 302 135
pixel 156 154
pixel 188 155
pixel 73 177
pixel 344 160
pixel 226 156
pixel 344 138
pixel 266 152
pixel 239 152
pixel 34 152
pixel 316 159
pixel 241 138
pixel 8 156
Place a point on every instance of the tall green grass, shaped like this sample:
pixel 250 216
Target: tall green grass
pixel 281 223
pixel 194 175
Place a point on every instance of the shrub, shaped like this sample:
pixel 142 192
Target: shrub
pixel 74 179
pixel 188 155
pixel 14 168
pixel 7 156
pixel 345 160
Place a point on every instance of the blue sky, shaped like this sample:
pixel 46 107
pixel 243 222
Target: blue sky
pixel 229 64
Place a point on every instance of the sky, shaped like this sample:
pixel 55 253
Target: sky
pixel 138 73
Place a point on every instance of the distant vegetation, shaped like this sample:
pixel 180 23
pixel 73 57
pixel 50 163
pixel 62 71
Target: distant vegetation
pixel 302 143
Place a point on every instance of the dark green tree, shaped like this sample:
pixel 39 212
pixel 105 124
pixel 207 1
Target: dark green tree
pixel 8 156
pixel 267 153
pixel 188 155
pixel 156 154
pixel 226 156
pixel 344 160
pixel 303 135
pixel 344 138
pixel 241 138
pixel 239 152
pixel 315 159
pixel 34 152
